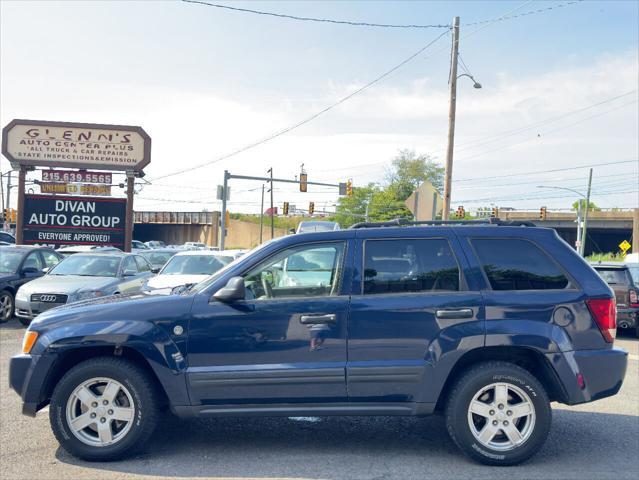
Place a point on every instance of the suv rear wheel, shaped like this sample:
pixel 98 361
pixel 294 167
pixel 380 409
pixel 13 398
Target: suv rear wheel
pixel 103 409
pixel 498 414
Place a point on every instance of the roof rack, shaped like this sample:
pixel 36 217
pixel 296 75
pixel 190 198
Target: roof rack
pixel 403 222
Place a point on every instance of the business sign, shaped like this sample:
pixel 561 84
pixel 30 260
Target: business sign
pixel 81 176
pixel 75 188
pixel 64 220
pixel 79 145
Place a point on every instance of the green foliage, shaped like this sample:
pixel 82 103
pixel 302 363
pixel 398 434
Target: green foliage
pixel 386 202
pixel 591 206
pixel 606 257
pixel 279 222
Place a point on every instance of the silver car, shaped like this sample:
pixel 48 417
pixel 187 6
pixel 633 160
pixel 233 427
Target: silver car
pixel 80 277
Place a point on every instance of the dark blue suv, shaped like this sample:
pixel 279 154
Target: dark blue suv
pixel 486 324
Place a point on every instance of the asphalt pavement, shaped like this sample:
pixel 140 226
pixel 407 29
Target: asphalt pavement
pixel 599 440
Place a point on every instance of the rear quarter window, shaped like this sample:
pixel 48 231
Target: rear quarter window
pixel 517 264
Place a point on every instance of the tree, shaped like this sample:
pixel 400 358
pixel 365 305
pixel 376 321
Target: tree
pixel 386 202
pixel 591 206
pixel 409 170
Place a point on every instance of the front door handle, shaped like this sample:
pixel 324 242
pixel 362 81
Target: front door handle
pixel 454 313
pixel 317 319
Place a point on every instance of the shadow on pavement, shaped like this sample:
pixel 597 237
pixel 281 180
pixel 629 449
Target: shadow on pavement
pixel 581 445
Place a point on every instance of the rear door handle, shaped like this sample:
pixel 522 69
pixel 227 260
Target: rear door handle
pixel 317 319
pixel 454 313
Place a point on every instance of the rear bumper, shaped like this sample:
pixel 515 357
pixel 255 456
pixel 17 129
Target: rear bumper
pixel 28 376
pixel 603 373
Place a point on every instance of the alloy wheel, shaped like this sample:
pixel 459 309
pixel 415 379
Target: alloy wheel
pixel 501 416
pixel 6 307
pixel 100 412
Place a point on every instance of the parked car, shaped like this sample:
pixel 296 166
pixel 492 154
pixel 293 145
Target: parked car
pixel 7 239
pixel 195 246
pixel 487 324
pixel 317 226
pixel 623 278
pixel 155 244
pixel 73 249
pixel 80 277
pixel 188 268
pixel 19 265
pixel 158 257
pixel 138 245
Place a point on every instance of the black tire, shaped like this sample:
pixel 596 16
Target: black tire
pixel 24 321
pixel 143 393
pixel 7 296
pixel 475 380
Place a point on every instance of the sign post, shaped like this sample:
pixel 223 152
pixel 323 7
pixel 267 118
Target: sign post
pixel 28 144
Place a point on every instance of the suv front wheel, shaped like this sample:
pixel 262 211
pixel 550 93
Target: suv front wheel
pixel 103 409
pixel 498 414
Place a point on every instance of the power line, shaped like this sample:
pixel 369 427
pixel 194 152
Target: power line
pixel 339 102
pixel 376 25
pixel 312 117
pixel 575 167
pixel 313 19
pixel 523 14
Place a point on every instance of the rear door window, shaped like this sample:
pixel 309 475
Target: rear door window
pixel 516 264
pixel 409 265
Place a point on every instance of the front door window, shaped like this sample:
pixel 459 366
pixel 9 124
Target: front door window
pixel 303 271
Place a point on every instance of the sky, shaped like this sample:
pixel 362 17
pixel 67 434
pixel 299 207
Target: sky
pixel 559 92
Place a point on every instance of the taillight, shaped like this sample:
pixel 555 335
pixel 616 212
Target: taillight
pixel 632 297
pixel 604 311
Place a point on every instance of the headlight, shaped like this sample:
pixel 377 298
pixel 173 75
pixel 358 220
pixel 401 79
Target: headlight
pixel 89 294
pixel 22 295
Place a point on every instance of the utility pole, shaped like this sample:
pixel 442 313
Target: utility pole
pixel 270 171
pixel 448 171
pixel 262 216
pixel 584 235
pixel 579 214
pixel 7 204
pixel 223 216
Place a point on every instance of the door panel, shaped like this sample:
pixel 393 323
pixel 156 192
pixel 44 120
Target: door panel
pixel 258 350
pixel 412 307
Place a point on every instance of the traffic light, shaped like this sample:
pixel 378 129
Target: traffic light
pixel 494 213
pixel 285 208
pixel 311 208
pixel 349 187
pixel 542 213
pixel 303 184
pixel 461 213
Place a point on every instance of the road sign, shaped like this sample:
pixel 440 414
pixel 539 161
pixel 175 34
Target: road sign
pixel 75 188
pixel 79 145
pixel 625 246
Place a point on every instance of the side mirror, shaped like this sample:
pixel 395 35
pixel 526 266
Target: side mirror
pixel 129 273
pixel 45 270
pixel 155 270
pixel 234 290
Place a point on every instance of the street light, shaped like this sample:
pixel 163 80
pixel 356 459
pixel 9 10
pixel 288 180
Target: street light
pixel 476 84
pixel 580 243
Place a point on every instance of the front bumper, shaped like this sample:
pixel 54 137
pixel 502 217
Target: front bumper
pixel 30 310
pixel 603 372
pixel 28 377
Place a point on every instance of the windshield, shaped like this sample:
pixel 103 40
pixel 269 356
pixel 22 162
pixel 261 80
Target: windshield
pixel 634 272
pixel 9 261
pixel 88 266
pixel 246 257
pixel 613 276
pixel 158 258
pixel 194 265
pixel 317 227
